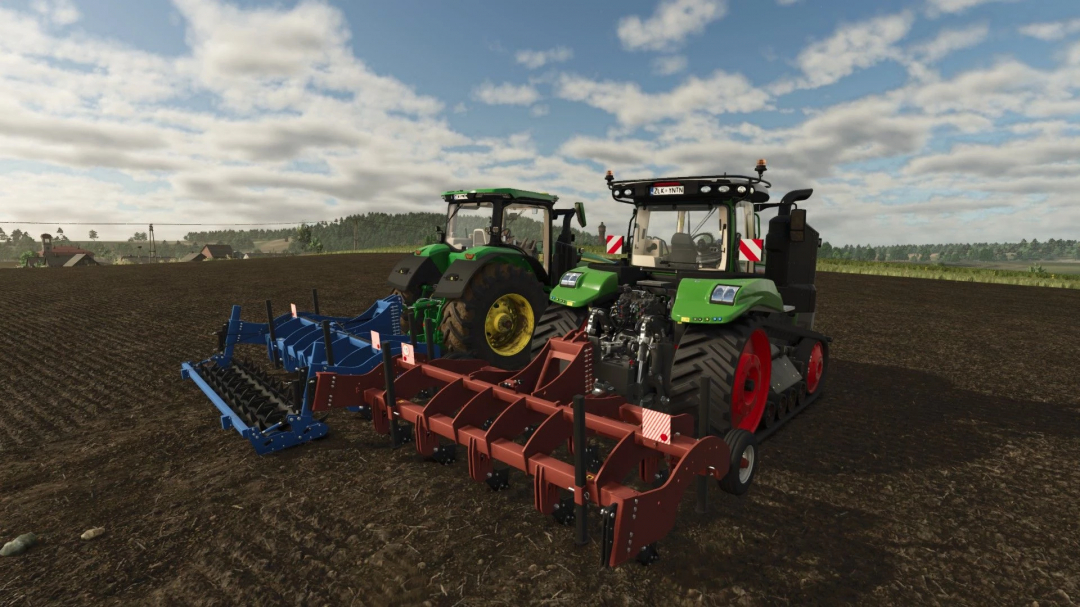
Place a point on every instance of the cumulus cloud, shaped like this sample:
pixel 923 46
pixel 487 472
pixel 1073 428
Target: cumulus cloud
pixel 669 64
pixel 506 93
pixel 1054 30
pixel 719 93
pixel 670 25
pixel 59 12
pixel 852 46
pixel 537 59
pixel 938 7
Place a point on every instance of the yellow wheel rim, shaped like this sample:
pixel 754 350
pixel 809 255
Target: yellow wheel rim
pixel 508 325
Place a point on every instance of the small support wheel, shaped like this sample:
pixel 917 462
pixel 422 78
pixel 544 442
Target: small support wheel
pixel 772 411
pixel 743 447
pixel 648 555
pixel 499 479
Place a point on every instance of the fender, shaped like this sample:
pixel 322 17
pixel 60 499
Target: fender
pixel 413 271
pixel 457 276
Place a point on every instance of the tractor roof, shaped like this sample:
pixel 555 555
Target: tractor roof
pixel 503 193
pixel 723 189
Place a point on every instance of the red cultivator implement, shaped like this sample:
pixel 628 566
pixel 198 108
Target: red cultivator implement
pixel 519 419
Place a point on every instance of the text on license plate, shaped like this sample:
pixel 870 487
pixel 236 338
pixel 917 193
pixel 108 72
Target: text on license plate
pixel 461 196
pixel 667 190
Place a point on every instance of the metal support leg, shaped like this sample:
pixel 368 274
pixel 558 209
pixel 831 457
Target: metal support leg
pixel 326 342
pixel 391 399
pixel 273 335
pixel 315 300
pixel 582 504
pixel 702 432
pixel 429 338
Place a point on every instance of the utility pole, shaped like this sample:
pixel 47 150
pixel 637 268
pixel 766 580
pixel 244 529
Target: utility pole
pixel 153 248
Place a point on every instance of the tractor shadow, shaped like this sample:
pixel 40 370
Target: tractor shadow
pixel 876 419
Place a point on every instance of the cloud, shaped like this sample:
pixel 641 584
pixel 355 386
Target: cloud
pixel 59 12
pixel 787 2
pixel 852 46
pixel 670 25
pixel 720 93
pixel 938 7
pixel 538 59
pixel 539 110
pixel 506 94
pixel 1054 30
pixel 669 64
pixel 950 40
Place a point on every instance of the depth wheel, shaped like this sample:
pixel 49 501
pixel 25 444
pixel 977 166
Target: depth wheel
pixel 737 359
pixel 495 316
pixel 556 322
pixel 744 460
pixel 812 361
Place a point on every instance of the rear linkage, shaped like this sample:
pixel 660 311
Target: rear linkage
pixel 484 409
pixel 273 411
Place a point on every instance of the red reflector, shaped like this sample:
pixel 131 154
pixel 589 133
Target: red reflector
pixel 417 252
pixel 666 183
pixel 469 255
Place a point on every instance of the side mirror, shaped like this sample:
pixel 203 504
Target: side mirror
pixel 579 210
pixel 798 225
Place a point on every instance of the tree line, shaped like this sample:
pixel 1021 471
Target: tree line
pixel 1052 249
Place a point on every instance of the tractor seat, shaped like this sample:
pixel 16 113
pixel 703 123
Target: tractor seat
pixel 479 237
pixel 683 249
pixel 529 246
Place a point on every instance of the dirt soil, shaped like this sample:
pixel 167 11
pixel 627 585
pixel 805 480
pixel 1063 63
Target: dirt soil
pixel 939 468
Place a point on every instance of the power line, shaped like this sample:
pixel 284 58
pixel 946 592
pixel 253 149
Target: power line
pixel 143 223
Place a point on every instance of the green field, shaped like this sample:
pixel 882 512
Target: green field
pixel 958 273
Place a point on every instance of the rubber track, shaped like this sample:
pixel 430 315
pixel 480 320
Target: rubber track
pixel 712 353
pixel 555 322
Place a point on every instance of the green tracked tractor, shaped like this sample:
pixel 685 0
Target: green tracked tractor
pixel 486 282
pixel 693 304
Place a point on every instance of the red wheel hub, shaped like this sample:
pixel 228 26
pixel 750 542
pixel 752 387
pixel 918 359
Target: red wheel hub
pixel 814 368
pixel 751 383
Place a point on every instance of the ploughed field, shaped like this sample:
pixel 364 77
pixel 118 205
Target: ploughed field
pixel 940 466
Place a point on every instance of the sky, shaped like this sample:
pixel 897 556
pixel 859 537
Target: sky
pixel 914 121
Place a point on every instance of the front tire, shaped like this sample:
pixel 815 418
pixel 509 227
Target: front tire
pixel 495 316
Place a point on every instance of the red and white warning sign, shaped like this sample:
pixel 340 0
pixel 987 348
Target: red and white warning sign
pixel 750 249
pixel 293 310
pixel 656 426
pixel 407 354
pixel 375 343
pixel 614 244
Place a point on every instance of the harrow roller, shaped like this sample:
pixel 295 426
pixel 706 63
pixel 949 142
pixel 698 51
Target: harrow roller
pixel 273 411
pixel 536 406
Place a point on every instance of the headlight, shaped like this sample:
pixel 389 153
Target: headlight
pixel 723 294
pixel 723 189
pixel 627 192
pixel 705 189
pixel 570 279
pixel 742 189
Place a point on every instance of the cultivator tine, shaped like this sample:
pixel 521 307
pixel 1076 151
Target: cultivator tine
pixel 391 401
pixel 581 509
pixel 607 534
pixel 315 300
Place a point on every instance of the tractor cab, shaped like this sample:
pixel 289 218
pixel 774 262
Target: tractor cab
pixel 479 221
pixel 695 224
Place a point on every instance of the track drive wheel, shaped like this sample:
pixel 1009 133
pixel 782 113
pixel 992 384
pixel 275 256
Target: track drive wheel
pixel 744 461
pixel 737 359
pixel 495 316
pixel 556 321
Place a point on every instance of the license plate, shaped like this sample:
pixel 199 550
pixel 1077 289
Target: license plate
pixel 461 196
pixel 667 190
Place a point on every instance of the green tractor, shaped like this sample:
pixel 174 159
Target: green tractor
pixel 692 307
pixel 486 282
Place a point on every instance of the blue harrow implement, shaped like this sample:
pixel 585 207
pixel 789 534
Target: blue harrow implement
pixel 273 409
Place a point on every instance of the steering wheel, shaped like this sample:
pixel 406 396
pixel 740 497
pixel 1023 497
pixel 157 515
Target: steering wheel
pixel 663 245
pixel 703 240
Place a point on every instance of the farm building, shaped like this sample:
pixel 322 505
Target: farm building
pixel 212 251
pixel 139 259
pixel 60 257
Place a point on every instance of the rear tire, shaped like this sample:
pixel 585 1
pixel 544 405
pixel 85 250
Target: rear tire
pixel 409 296
pixel 556 322
pixel 463 323
pixel 717 353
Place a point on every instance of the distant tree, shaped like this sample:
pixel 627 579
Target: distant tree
pixel 139 237
pixel 93 235
pixel 25 256
pixel 316 245
pixel 16 235
pixel 3 235
pixel 59 231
